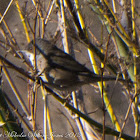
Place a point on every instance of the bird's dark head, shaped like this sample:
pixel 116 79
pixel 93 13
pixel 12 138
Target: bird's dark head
pixel 41 45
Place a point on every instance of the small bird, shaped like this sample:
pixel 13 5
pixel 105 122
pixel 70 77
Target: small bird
pixel 58 69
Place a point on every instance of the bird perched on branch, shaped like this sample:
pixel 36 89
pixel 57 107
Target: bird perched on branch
pixel 58 69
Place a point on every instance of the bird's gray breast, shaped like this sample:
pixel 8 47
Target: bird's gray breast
pixel 60 77
pixel 54 75
pixel 41 63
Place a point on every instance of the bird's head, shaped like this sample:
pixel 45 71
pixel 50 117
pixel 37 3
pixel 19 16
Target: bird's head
pixel 35 47
pixel 41 45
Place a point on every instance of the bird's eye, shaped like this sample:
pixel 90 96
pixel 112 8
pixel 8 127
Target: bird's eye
pixel 30 49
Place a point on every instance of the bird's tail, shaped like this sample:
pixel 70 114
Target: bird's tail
pixel 92 78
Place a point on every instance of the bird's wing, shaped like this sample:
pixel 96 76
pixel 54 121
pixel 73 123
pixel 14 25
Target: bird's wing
pixel 58 59
pixel 65 61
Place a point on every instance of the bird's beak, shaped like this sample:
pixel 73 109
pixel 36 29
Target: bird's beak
pixel 28 57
